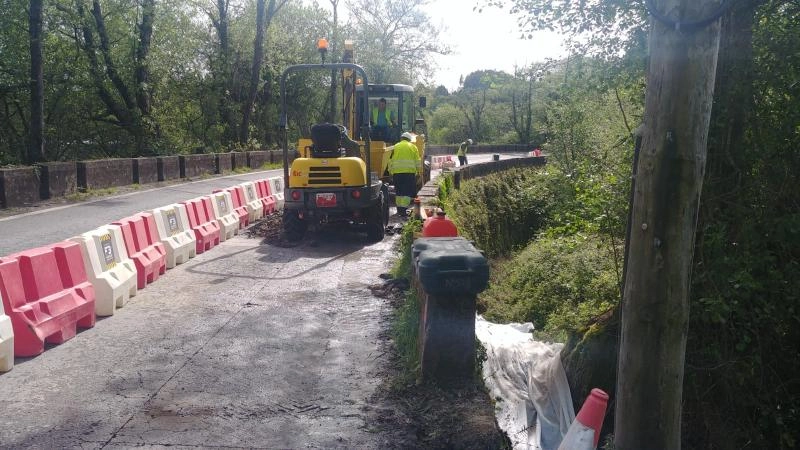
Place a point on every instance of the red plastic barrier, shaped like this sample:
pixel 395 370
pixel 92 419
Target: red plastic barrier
pixel 46 293
pixel 201 220
pixel 267 199
pixel 149 255
pixel 239 206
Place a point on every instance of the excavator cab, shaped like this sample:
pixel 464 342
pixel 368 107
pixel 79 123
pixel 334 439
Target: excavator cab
pixel 399 99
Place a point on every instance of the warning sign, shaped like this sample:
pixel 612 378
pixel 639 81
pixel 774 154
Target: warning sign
pixel 172 223
pixel 107 250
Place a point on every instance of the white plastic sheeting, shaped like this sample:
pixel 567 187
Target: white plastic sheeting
pixel 534 406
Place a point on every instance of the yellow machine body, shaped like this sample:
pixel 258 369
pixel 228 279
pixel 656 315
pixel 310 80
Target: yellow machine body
pixel 327 172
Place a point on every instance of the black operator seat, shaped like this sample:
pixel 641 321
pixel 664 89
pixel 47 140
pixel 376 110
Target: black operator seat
pixel 329 139
pixel 326 139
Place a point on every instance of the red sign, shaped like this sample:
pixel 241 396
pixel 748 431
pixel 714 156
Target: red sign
pixel 326 200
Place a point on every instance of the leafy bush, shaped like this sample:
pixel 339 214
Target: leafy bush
pixel 557 283
pixel 504 211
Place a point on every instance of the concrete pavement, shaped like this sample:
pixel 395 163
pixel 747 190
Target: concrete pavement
pixel 249 345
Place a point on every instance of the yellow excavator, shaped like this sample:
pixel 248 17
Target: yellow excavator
pixel 340 175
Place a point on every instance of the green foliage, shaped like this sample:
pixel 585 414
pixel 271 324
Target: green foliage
pixel 558 284
pixel 447 125
pixel 405 327
pixel 405 331
pixel 503 212
pixel 402 265
pixel 446 188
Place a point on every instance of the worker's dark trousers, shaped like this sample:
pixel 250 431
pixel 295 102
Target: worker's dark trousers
pixel 405 187
pixel 462 160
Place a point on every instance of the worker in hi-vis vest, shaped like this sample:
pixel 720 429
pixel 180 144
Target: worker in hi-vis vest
pixel 382 119
pixel 404 165
pixel 462 152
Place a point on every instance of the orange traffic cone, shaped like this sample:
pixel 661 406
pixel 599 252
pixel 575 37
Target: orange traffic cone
pixel 584 433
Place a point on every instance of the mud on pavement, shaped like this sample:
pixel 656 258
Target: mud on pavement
pixel 248 345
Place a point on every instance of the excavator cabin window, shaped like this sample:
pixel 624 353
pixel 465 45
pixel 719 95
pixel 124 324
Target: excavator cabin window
pixel 390 114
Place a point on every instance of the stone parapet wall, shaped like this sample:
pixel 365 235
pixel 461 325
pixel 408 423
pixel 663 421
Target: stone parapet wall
pixel 169 168
pixel 104 173
pixel 145 170
pixel 58 179
pixel 19 186
pixel 192 166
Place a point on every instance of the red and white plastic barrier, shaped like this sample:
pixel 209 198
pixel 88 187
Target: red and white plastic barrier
pixel 200 219
pixel 46 294
pixel 175 233
pixel 254 206
pixel 226 218
pixel 276 190
pixel 6 341
pixel 239 205
pixel 110 270
pixel 442 162
pixel 268 201
pixel 143 247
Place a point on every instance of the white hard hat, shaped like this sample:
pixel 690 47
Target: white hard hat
pixel 469 141
pixel 408 136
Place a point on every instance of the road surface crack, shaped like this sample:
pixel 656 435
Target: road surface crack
pixel 149 400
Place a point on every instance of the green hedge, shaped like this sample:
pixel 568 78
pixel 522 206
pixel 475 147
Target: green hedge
pixel 557 283
pixel 502 212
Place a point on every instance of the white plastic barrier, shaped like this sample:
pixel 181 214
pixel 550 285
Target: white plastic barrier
pixel 254 206
pixel 111 272
pixel 223 213
pixel 6 341
pixel 276 189
pixel 175 233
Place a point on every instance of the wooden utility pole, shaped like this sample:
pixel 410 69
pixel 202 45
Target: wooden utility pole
pixel 655 308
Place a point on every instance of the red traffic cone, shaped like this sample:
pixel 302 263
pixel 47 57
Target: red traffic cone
pixel 584 433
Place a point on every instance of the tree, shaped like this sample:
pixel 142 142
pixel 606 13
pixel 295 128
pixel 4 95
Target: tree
pixel 478 91
pixel 126 107
pixel 655 307
pixel 263 21
pixel 36 128
pixel 397 40
pixel 333 115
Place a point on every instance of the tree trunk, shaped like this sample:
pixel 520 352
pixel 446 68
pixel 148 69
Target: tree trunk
pixel 223 76
pixel 120 112
pixel 36 128
pixel 255 71
pixel 142 77
pixel 655 308
pixel 263 21
pixel 143 97
pixel 333 115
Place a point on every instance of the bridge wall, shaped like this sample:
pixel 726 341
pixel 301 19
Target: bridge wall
pixel 478 148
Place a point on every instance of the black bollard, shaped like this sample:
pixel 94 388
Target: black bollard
pixel 449 272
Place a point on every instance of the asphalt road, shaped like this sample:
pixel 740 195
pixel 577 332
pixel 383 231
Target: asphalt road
pixel 55 224
pixel 248 345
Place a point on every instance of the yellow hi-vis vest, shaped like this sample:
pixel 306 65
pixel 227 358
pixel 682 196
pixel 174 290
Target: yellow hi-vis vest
pixel 404 158
pixel 387 118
